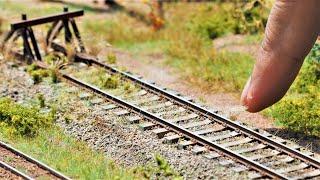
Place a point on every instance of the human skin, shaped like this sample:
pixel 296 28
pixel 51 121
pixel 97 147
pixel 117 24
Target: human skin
pixel 291 31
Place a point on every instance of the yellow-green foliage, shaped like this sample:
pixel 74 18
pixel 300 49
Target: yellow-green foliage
pixel 300 109
pixel 162 169
pixel 38 74
pixel 111 58
pixel 128 87
pixel 120 33
pixel 53 147
pixel 205 67
pixel 110 82
pixel 251 16
pixel 102 79
pixel 164 166
pixel 212 21
pixel 41 100
pixel 239 17
pixel 54 76
pixel 20 120
pixel 55 58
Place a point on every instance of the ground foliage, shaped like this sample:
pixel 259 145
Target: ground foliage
pixel 300 109
pixel 236 17
pixel 161 169
pixel 54 62
pixel 186 39
pixel 22 120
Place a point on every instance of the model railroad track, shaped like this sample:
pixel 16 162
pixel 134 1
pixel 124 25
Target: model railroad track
pixel 179 120
pixel 17 165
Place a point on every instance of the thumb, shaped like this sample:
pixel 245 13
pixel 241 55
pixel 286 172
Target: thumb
pixel 291 31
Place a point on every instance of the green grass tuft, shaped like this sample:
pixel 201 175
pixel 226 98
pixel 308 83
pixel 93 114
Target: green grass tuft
pixel 20 120
pixel 111 58
pixel 41 100
pixel 299 110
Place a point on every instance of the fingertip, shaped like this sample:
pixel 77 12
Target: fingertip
pixel 252 105
pixel 252 101
pixel 243 98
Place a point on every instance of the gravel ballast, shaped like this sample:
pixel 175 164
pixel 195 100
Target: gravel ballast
pixel 102 130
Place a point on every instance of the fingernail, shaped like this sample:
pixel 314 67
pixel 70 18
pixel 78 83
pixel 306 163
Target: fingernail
pixel 250 94
pixel 244 108
pixel 245 92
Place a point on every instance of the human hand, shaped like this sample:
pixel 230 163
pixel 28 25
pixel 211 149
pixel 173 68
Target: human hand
pixel 292 29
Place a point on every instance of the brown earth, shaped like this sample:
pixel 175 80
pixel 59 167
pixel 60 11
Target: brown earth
pixel 20 163
pixel 4 174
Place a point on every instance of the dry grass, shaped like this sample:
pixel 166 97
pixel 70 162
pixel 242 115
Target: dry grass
pixel 1 25
pixel 6 51
pixel 186 49
pixel 94 45
pixel 43 44
pixel 71 52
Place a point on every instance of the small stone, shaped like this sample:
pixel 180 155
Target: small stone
pixel 198 150
pixel 134 119
pixel 160 132
pixel 85 95
pixel 146 125
pixel 109 106
pixel 96 101
pixel 121 112
pixel 172 139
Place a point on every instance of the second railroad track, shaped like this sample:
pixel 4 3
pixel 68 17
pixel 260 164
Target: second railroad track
pixel 14 164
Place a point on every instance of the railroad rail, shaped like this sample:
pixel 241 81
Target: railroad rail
pixel 13 172
pixel 12 158
pixel 179 120
pixel 265 144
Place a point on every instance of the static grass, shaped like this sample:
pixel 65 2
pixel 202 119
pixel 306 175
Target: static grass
pixel 100 78
pixel 226 72
pixel 69 156
pixel 185 48
pixel 189 51
pixel 15 9
pixel 149 47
